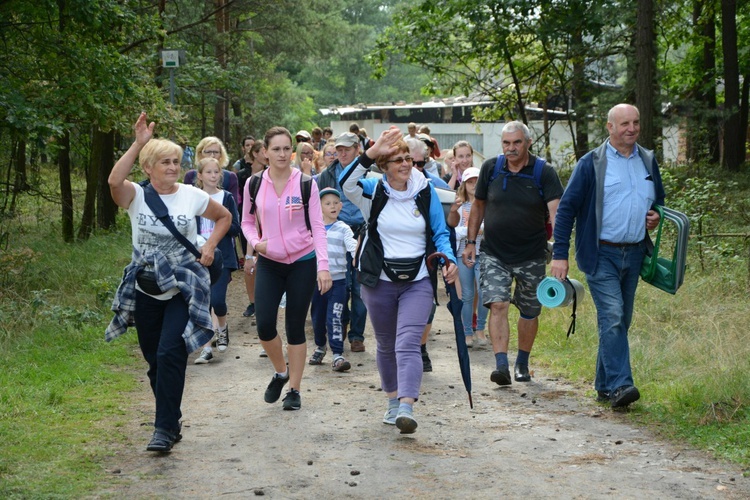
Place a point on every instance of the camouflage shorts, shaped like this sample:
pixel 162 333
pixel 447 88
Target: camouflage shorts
pixel 496 279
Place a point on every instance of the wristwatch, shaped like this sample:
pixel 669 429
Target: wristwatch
pixel 471 242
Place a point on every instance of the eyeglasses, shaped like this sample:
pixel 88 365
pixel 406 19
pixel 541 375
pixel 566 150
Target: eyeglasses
pixel 206 152
pixel 331 155
pixel 419 164
pixel 400 160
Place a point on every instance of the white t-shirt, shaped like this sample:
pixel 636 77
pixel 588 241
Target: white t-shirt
pixel 207 225
pixel 150 235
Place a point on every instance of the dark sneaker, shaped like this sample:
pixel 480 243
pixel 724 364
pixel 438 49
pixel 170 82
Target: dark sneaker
pixel 250 311
pixel 163 441
pixel 273 391
pixel 222 340
pixel 406 422
pixel 623 396
pixel 501 376
pixel 426 362
pixel 340 364
pixel 317 356
pixel 602 396
pixel 205 357
pixel 292 400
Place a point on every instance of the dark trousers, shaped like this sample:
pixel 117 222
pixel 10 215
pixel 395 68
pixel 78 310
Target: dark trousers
pixel 327 314
pixel 272 279
pixel 160 324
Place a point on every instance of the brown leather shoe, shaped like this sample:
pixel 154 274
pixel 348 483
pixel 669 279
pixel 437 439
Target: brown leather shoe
pixel 358 346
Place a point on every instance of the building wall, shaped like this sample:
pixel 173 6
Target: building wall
pixel 485 138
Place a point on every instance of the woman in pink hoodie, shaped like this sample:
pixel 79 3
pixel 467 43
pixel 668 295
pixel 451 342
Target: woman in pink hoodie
pixel 289 257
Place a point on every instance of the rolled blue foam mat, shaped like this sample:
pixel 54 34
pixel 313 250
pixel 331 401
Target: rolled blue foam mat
pixel 554 293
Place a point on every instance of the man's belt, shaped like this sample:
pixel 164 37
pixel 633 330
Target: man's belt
pixel 619 245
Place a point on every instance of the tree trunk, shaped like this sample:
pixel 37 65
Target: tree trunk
pixel 221 108
pixel 21 182
pixel 645 75
pixel 581 96
pixel 106 210
pixel 709 83
pixel 66 190
pixel 743 116
pixel 92 177
pixel 734 138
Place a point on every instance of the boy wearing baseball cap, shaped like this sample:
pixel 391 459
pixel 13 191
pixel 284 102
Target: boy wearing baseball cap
pixel 327 309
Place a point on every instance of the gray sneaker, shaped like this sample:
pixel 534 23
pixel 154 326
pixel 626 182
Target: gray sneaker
pixel 205 357
pixel 222 339
pixel 390 416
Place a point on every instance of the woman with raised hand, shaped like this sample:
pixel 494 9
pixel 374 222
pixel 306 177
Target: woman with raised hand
pixel 292 259
pixel 404 225
pixel 165 290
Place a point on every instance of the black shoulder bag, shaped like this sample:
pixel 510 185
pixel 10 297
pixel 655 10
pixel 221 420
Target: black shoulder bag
pixel 160 210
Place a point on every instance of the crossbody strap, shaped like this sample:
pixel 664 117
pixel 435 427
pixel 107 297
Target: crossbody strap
pixel 161 212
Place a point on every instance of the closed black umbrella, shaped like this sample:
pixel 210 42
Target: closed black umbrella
pixel 454 306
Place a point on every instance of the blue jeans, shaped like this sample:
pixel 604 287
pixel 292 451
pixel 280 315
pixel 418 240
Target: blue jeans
pixel 327 312
pixel 612 287
pixel 160 324
pixel 469 277
pixel 356 316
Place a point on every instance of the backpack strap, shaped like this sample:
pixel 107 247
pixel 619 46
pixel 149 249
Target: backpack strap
pixel 538 167
pixel 160 210
pixel 255 180
pixel 498 167
pixel 305 187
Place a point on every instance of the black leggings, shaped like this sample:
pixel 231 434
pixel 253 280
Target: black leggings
pixel 272 279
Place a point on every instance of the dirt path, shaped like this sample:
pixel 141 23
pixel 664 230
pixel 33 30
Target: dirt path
pixel 539 440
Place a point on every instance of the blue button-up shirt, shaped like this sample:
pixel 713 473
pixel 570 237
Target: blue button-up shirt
pixel 628 195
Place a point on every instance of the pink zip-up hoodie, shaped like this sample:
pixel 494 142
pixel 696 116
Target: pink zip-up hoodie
pixel 282 219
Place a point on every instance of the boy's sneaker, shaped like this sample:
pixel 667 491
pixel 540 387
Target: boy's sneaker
pixel 250 311
pixel 222 339
pixel 273 391
pixel 340 364
pixel 406 423
pixel 426 362
pixel 390 416
pixel 263 353
pixel 205 357
pixel 317 356
pixel 292 400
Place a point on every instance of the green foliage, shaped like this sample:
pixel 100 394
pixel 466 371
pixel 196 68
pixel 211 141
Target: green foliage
pixel 63 390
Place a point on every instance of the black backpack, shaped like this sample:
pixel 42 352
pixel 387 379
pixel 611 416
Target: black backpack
pixel 305 183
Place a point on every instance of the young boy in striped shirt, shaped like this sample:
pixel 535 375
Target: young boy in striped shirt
pixel 327 309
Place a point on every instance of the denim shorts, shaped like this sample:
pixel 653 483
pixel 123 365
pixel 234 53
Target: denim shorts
pixel 496 279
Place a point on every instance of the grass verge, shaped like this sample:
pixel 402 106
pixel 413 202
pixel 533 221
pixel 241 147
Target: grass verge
pixel 64 392
pixel 690 360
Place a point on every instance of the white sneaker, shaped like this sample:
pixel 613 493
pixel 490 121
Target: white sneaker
pixel 263 353
pixel 205 357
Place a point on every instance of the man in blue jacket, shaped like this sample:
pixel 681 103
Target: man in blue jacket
pixel 610 197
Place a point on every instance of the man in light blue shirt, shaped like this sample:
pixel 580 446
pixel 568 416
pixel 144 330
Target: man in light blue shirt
pixel 610 199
